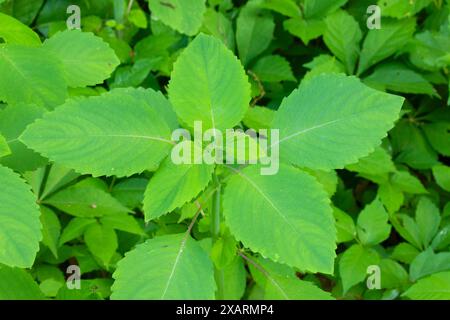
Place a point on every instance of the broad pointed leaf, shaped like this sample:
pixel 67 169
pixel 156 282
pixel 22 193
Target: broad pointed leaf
pixel 330 128
pixel 165 267
pixel 94 135
pixel 285 217
pixel 197 89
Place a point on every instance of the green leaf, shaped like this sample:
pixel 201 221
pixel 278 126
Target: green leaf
pixel 381 43
pixel 397 77
pixel 345 226
pixel 259 118
pixel 196 88
pixel 434 287
pixel 372 224
pixel 282 288
pixel 101 241
pixel 13 121
pixel 75 229
pixel 4 148
pixel 51 228
pixel 306 30
pixel 318 125
pixel 93 135
pixel 20 228
pixel 404 252
pixel 174 259
pixel 429 50
pixel 175 184
pixel 130 192
pixel 323 64
pixel 412 147
pixel 86 201
pixel 401 9
pixel 273 68
pixel 393 275
pixel 122 222
pixel 405 181
pixel 342 36
pixel 354 263
pixel 438 134
pixel 184 16
pixel 321 8
pixel 441 174
pixel 285 7
pixel 87 60
pixel 138 18
pixel 428 219
pixel 377 163
pixel 218 25
pixel 428 263
pixel 391 197
pixel 12 31
pixel 254 31
pixel 57 178
pixel 277 217
pixel 34 76
pixel 234 278
pixel 17 284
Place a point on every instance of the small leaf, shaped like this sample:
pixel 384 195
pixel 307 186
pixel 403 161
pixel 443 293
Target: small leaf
pixel 101 241
pixel 372 224
pixel 184 16
pixel 441 174
pixel 428 263
pixel 342 37
pixel 428 219
pixel 434 287
pixel 87 60
pixel 175 184
pixel 353 265
pixel 381 43
pixel 51 228
pixel 254 31
pixel 86 201
pixel 273 68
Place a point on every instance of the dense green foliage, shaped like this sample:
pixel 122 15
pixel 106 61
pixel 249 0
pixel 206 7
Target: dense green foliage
pixel 361 195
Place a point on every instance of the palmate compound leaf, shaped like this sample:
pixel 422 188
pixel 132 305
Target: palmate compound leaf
pixel 117 133
pixel 87 60
pixel 333 120
pixel 175 184
pixel 20 227
pixel 165 267
pixel 209 84
pixel 286 217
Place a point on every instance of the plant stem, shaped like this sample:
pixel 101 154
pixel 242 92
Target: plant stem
pixel 215 216
pixel 215 233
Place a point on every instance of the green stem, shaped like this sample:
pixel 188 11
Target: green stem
pixel 215 217
pixel 215 233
